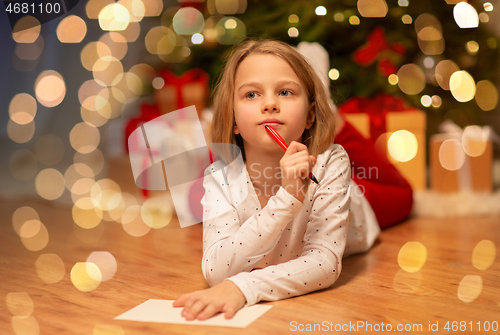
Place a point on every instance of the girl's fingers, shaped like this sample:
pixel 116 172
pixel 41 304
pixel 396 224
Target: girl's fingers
pixel 196 309
pixel 229 311
pixel 208 312
pixel 180 301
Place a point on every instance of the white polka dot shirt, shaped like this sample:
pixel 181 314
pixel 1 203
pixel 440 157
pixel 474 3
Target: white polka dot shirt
pixel 287 248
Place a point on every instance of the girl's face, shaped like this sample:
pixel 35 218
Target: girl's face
pixel 268 92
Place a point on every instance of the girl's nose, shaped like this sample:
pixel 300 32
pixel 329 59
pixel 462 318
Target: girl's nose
pixel 270 105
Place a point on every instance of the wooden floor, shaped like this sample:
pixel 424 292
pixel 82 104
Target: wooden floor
pixel 163 264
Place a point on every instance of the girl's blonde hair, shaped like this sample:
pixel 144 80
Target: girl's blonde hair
pixel 317 138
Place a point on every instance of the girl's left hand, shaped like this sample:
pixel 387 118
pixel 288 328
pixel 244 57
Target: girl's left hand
pixel 225 297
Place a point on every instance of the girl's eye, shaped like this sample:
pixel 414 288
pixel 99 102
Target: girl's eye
pixel 285 93
pixel 251 95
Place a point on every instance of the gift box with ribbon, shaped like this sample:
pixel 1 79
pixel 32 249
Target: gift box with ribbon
pixel 461 159
pixel 398 131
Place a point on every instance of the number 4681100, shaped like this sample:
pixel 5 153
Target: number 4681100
pixel 31 8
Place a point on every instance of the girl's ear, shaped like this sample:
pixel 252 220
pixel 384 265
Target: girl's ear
pixel 311 115
pixel 235 130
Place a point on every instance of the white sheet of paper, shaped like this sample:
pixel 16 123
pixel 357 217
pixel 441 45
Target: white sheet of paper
pixel 162 311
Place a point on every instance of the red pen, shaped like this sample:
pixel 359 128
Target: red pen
pixel 274 134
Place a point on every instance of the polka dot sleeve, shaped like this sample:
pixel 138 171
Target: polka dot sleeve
pixel 324 242
pixel 231 246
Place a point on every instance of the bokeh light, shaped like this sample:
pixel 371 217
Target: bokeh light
pixel 49 149
pixel 483 17
pixel 71 29
pixel 293 18
pixel 23 164
pixel 50 268
pixel 19 303
pixel 426 100
pixel 26 30
pixel 402 145
pixel 197 38
pixel 465 15
pixel 339 17
pixel 230 36
pixel 92 52
pixel 152 7
pixel 107 70
pixel 472 47
pixel 133 223
pixel 123 201
pixel 188 21
pixel 21 215
pixel 484 254
pixel 486 95
pixel 87 213
pixel 20 133
pixel 84 137
pixel 34 235
pixel 114 17
pixel 412 256
pixel 22 108
pixel 429 33
pixel 393 79
pixel 94 7
pixel 407 19
pixel 320 10
pixel 156 212
pixel 451 155
pixel 25 325
pixel 444 70
pixel 50 88
pixel 30 51
pixel 462 86
pixel 76 172
pixel 131 33
pixel 226 7
pixel 49 184
pixel 488 6
pixel 372 8
pixel 85 276
pixel 93 95
pixel 333 74
pixel 81 188
pixel 436 101
pixel 105 262
pixel 128 88
pixel 95 160
pixel 293 32
pixel 411 79
pixel 116 43
pixel 470 288
pixel 135 8
pixel 354 20
pixel 474 141
pixel 160 40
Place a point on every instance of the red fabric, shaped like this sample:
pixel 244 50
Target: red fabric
pixel 388 193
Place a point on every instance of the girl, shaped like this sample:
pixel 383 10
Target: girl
pixel 288 237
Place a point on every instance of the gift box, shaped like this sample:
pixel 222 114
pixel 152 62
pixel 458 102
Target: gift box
pixel 384 120
pixel 191 88
pixel 461 160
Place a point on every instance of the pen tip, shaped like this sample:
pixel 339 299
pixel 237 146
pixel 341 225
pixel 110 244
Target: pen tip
pixel 265 127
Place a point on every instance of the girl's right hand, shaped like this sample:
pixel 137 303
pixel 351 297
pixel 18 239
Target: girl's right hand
pixel 296 164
